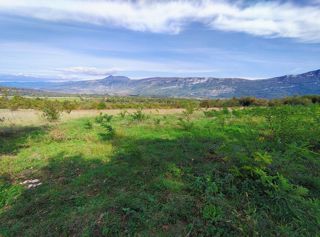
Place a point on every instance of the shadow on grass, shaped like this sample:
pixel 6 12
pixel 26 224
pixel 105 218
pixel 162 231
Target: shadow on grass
pixel 149 187
pixel 141 189
pixel 12 139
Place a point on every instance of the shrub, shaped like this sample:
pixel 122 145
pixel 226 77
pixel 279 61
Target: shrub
pixel 246 101
pixel 138 115
pixel 103 118
pixel 315 99
pixel 205 104
pixel 252 101
pixel 123 113
pixel 157 121
pixel 185 124
pixel 51 112
pixel 88 125
pixel 225 111
pixel 101 105
pixel 209 113
pixel 68 106
pixel 189 109
pixel 107 133
pixel 211 213
pixel 297 101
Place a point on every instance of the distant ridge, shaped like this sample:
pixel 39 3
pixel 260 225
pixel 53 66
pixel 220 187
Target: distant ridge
pixel 196 87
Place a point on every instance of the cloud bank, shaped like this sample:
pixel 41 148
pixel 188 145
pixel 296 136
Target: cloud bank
pixel 267 19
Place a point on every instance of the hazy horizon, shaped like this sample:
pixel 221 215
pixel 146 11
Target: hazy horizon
pixel 27 78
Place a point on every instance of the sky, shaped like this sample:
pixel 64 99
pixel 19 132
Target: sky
pixel 82 39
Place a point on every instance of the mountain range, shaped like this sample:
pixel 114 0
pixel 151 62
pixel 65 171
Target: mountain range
pixel 197 87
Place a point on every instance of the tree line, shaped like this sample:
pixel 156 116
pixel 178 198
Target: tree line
pixel 77 103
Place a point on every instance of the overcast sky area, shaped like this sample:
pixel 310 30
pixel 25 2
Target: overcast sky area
pixel 82 39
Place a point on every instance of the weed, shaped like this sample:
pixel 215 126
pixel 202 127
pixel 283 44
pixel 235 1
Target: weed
pixel 185 124
pixel 103 118
pixel 108 132
pixel 189 109
pixel 123 114
pixel 57 135
pixel 211 213
pixel 209 113
pixel 157 121
pixel 88 125
pixel 138 115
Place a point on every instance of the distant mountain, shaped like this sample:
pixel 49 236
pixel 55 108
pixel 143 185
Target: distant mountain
pixel 199 87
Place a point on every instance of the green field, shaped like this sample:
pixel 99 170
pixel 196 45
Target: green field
pixel 240 172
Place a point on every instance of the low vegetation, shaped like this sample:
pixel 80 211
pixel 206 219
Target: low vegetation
pixel 227 172
pixel 67 104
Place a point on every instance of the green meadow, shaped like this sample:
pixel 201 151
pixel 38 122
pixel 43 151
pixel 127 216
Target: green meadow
pixel 251 171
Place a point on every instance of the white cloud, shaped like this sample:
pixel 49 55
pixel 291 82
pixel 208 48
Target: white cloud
pixel 267 19
pixel 90 71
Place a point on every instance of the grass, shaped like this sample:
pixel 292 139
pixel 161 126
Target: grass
pixel 30 117
pixel 251 172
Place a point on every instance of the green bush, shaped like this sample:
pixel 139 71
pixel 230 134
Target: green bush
pixel 103 118
pixel 209 113
pixel 106 130
pixel 189 109
pixel 211 213
pixel 123 114
pixel 157 121
pixel 296 101
pixel 68 106
pixel 107 133
pixel 185 124
pixel 51 112
pixel 138 115
pixel 101 105
pixel 88 125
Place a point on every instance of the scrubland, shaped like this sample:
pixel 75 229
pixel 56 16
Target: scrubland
pixel 190 172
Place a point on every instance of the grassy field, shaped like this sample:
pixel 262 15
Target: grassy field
pixel 248 172
pixel 31 117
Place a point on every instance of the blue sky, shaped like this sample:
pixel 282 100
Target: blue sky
pixel 80 39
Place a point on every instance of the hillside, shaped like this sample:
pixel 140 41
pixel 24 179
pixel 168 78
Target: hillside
pixel 198 87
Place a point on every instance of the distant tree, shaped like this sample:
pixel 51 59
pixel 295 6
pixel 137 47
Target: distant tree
pixel 247 101
pixel 297 100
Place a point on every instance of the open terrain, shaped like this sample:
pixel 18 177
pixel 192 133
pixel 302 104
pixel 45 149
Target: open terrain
pixel 240 172
pixel 25 117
